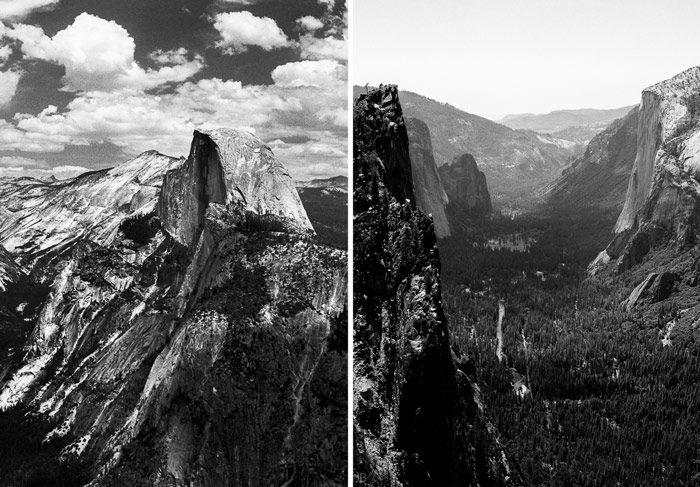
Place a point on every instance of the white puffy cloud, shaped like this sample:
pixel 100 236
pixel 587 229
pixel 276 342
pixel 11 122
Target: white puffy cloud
pixel 12 138
pixel 242 29
pixel 309 23
pixel 321 74
pixel 15 166
pixel 308 97
pixel 98 55
pixel 17 9
pixel 5 52
pixel 177 56
pixel 8 85
pixel 323 48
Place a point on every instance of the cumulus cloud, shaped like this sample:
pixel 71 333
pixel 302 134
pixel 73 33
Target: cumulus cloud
pixel 321 74
pixel 5 52
pixel 323 48
pixel 308 97
pixel 8 85
pixel 18 9
pixel 98 55
pixel 16 166
pixel 177 56
pixel 242 29
pixel 309 23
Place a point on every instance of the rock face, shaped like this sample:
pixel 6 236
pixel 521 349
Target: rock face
pixel 227 166
pixel 430 194
pixel 600 176
pixel 662 203
pixel 417 415
pixel 193 333
pixel 10 272
pixel 45 216
pixel 515 161
pixel 466 188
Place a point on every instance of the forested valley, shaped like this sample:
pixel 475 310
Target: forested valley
pixel 588 392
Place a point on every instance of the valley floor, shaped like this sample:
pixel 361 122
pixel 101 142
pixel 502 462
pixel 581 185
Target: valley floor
pixel 611 396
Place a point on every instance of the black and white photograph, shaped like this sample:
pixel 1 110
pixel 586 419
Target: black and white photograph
pixel 173 243
pixel 526 203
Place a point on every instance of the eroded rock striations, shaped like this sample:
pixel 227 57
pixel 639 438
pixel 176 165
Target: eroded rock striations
pixel 662 202
pixel 430 194
pixel 193 332
pixel 417 415
pixel 466 188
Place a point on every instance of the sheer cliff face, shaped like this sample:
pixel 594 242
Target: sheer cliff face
pixel 601 175
pixel 662 195
pixel 417 412
pixel 197 339
pixel 430 194
pixel 228 166
pixel 466 188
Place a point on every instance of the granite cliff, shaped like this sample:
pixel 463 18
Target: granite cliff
pixel 599 177
pixel 192 331
pixel 418 418
pixel 430 194
pixel 662 200
pixel 515 162
pixel 466 189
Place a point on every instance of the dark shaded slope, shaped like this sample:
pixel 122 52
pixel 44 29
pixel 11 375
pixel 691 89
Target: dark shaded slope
pixel 514 161
pixel 599 177
pixel 418 417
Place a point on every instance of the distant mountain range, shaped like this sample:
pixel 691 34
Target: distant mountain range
pixel 561 119
pixel 579 125
pixel 515 162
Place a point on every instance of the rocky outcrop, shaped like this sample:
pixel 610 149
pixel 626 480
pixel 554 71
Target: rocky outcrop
pixel 418 418
pixel 662 205
pixel 515 161
pixel 47 216
pixel 600 176
pixel 430 194
pixel 200 340
pixel 227 166
pixel 466 188
pixel 10 272
pixel 655 288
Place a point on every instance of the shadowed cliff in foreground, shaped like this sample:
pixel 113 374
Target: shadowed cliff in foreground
pixel 418 418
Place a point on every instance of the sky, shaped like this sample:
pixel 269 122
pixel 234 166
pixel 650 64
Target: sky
pixel 87 84
pixel 498 57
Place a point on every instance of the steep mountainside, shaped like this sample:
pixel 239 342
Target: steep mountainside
pixel 466 189
pixel 418 417
pixel 600 176
pixel 514 161
pixel 430 194
pixel 46 216
pixel 10 272
pixel 661 205
pixel 193 333
pixel 326 203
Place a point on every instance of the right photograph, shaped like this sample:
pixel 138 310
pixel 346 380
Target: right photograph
pixel 526 258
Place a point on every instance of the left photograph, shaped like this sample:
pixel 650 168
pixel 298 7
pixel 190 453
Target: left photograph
pixel 173 243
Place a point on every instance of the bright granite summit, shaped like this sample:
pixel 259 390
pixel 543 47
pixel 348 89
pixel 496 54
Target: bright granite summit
pixel 185 326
